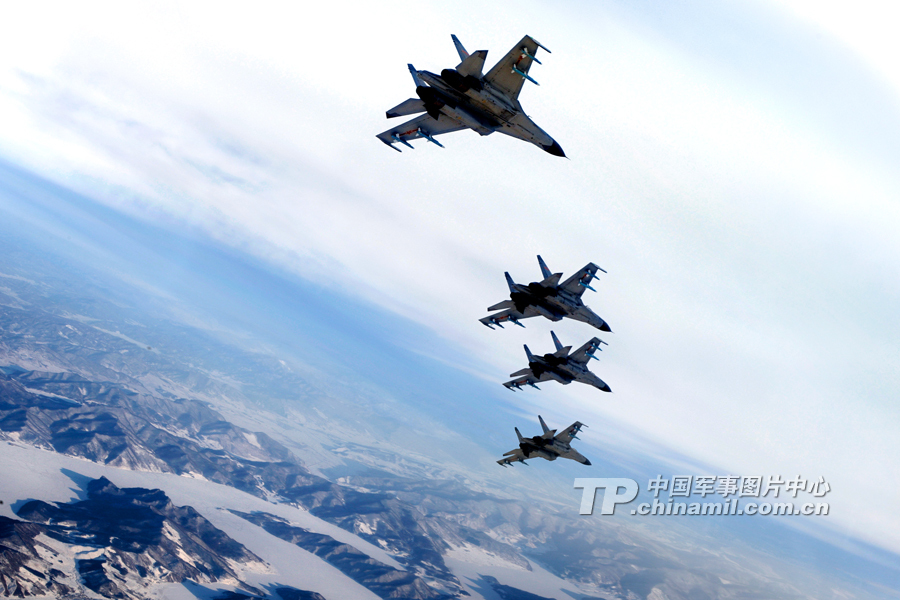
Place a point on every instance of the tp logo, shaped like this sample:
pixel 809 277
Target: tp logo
pixel 612 496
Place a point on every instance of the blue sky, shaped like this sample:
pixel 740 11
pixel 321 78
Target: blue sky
pixel 730 168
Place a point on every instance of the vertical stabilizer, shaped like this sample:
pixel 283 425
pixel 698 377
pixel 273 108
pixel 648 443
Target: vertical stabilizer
pixel 556 342
pixel 415 76
pixel 519 434
pixel 463 55
pixel 543 425
pixel 528 354
pixel 544 270
pixel 510 282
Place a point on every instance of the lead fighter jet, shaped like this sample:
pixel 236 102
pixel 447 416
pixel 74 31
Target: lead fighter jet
pixel 549 446
pixel 464 98
pixel 548 298
pixel 559 366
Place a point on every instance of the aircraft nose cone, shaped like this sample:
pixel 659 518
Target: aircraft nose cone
pixel 587 462
pixel 555 149
pixel 606 328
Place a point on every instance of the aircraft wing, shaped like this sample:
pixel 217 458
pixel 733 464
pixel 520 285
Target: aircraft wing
pixel 577 283
pixel 510 314
pixel 569 433
pixel 581 356
pixel 503 76
pixel 523 378
pixel 411 129
pixel 511 457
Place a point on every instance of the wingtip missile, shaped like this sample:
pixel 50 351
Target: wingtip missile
pixel 540 45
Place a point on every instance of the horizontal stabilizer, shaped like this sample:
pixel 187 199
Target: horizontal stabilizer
pixel 473 64
pixel 503 305
pixel 521 372
pixel 551 281
pixel 407 107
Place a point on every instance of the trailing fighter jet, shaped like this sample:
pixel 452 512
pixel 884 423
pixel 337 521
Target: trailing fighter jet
pixel 464 98
pixel 549 446
pixel 559 366
pixel 548 298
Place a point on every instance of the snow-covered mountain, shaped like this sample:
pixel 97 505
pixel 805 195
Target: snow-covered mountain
pixel 116 543
pixel 301 445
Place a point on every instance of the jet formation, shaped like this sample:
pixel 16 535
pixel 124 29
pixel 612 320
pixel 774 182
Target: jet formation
pixel 465 98
pixel 559 366
pixel 549 446
pixel 548 298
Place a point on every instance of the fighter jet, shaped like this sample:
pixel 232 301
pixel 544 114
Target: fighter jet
pixel 559 366
pixel 464 98
pixel 549 446
pixel 548 298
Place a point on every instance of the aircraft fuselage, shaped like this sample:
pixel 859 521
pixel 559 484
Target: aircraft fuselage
pixel 552 303
pixel 549 449
pixel 475 104
pixel 560 366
